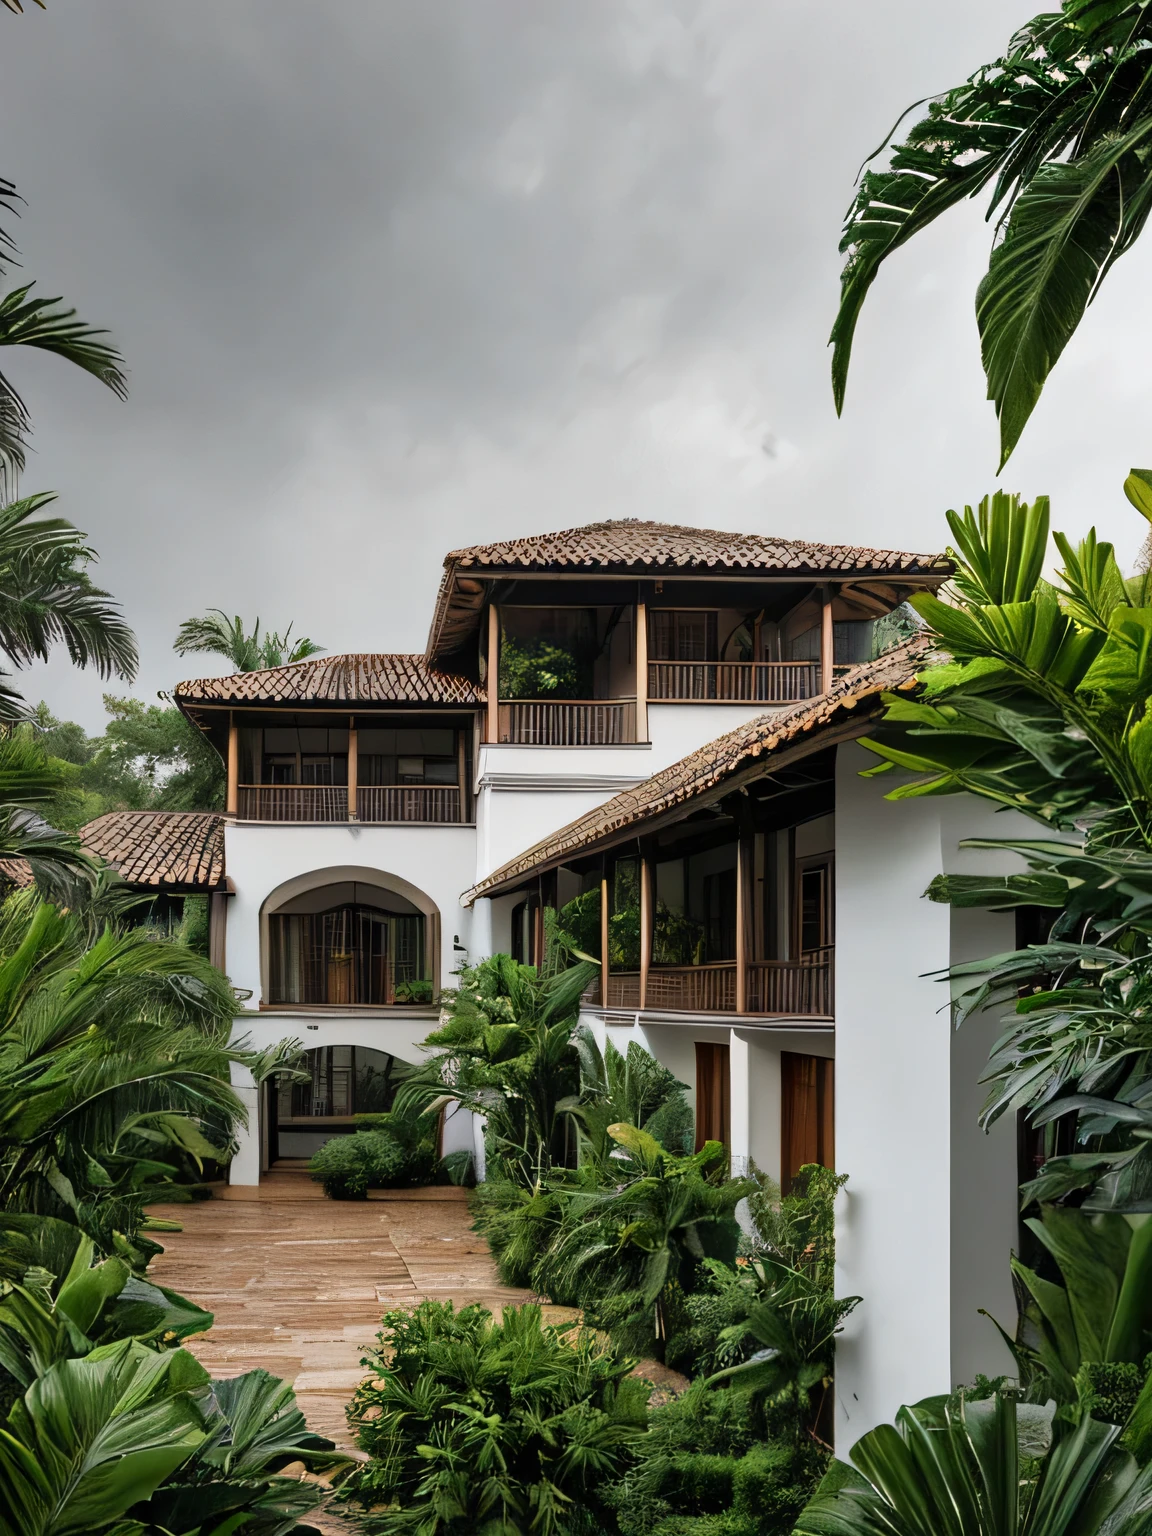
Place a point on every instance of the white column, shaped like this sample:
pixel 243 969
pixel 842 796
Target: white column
pixel 245 1166
pixel 740 1102
pixel 927 1225
pixel 892 1102
pixel 480 941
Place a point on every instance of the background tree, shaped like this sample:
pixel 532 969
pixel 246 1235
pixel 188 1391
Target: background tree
pixel 1059 131
pixel 218 635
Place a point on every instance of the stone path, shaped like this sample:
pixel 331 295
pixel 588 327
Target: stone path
pixel 298 1283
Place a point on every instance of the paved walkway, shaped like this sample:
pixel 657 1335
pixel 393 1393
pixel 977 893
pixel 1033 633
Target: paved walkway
pixel 298 1283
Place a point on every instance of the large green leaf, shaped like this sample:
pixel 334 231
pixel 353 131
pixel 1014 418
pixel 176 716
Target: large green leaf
pixel 1003 544
pixel 93 1437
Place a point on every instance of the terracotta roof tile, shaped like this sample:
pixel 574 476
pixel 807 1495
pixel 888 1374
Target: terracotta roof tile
pixel 161 849
pixel 633 547
pixel 705 773
pixel 371 678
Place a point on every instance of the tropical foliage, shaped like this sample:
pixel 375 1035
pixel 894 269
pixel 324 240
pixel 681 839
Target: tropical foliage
pixel 217 635
pixel 1056 131
pixel 385 1151
pixel 473 1425
pixel 957 1466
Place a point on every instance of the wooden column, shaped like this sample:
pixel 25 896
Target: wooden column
pixel 462 774
pixel 604 938
pixel 827 642
pixel 493 679
pixel 641 672
pixel 232 802
pixel 646 916
pixel 353 768
pixel 743 902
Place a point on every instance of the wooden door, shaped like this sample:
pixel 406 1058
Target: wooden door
pixel 713 1094
pixel 807 1114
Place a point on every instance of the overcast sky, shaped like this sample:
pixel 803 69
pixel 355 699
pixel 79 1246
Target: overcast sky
pixel 393 276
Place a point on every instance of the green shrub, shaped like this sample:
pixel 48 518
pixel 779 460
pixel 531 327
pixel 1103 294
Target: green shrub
pixel 387 1152
pixel 476 1425
pixel 705 1469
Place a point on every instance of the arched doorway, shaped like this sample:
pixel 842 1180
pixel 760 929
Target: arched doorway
pixel 343 1081
pixel 349 938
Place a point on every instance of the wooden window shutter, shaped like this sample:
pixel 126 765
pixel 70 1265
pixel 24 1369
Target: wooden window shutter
pixel 713 1094
pixel 807 1114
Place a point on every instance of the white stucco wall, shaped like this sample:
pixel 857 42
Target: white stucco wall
pixel 905 1128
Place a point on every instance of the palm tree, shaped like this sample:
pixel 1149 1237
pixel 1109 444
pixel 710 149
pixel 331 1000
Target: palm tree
pixel 218 635
pixel 47 596
pixel 34 322
pixel 1059 130
pixel 114 1062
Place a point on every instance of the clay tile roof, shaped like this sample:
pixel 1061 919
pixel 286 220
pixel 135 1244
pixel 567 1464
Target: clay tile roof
pixel 374 678
pixel 635 545
pixel 630 546
pixel 707 773
pixel 161 849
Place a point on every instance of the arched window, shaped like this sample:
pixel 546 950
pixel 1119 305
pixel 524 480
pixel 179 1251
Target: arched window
pixel 359 953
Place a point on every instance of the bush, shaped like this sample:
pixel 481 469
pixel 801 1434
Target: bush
pixel 388 1152
pixel 705 1469
pixel 472 1424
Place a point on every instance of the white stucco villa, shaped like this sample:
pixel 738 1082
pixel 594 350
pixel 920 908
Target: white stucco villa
pixel 667 716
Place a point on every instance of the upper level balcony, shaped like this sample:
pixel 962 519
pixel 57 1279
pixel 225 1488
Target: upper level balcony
pixel 585 676
pixel 292 770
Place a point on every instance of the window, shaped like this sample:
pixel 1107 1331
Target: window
pixel 720 915
pixel 305 755
pixel 403 756
pixel 353 955
pixel 681 635
pixel 713 1094
pixel 344 1080
pixel 807 1114
pixel 814 905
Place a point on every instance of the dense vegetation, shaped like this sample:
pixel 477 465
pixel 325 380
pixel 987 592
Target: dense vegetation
pixel 593 1198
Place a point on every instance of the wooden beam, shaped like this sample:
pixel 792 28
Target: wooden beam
pixel 646 916
pixel 353 768
pixel 492 679
pixel 462 774
pixel 641 671
pixel 743 892
pixel 604 938
pixel 232 802
pixel 827 642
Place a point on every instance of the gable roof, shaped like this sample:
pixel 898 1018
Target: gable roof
pixel 752 750
pixel 630 546
pixel 163 850
pixel 364 678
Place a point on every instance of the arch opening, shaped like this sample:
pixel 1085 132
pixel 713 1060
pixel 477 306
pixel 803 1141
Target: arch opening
pixel 343 1081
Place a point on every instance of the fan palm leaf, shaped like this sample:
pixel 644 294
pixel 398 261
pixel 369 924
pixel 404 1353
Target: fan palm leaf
pixel 215 634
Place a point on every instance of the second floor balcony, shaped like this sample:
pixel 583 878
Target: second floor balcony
pixel 438 804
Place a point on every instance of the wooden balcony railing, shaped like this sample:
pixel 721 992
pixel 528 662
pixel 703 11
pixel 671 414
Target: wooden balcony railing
pixel 736 682
pixel 752 682
pixel 568 722
pixel 793 987
pixel 436 803
pixel 292 802
pixel 778 988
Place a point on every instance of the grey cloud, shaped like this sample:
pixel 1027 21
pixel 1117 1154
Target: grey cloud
pixel 393 277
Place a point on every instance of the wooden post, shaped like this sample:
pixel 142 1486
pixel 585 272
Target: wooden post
pixel 604 938
pixel 646 915
pixel 641 671
pixel 827 642
pixel 232 802
pixel 353 768
pixel 462 774
pixel 743 893
pixel 493 678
